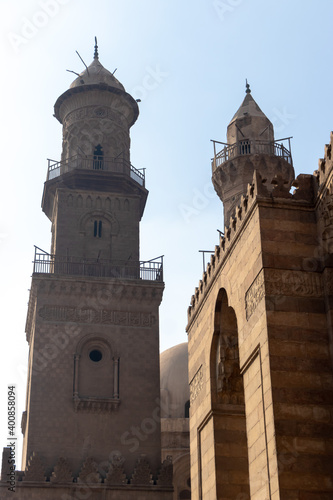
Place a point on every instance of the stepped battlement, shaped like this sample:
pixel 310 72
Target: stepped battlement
pixel 325 165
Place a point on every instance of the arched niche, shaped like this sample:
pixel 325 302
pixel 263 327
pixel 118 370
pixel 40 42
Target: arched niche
pixel 227 398
pixel 226 380
pixel 96 375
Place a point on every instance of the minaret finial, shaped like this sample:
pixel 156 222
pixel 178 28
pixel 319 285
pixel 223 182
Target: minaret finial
pixel 96 49
pixel 248 90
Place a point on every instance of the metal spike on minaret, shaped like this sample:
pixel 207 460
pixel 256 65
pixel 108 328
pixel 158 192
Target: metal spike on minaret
pixel 96 49
pixel 248 90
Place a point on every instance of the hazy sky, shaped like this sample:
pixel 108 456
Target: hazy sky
pixel 187 61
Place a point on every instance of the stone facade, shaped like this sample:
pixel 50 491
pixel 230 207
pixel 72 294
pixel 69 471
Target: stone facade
pixel 260 346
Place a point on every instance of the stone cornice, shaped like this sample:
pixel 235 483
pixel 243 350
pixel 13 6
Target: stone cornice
pixel 91 291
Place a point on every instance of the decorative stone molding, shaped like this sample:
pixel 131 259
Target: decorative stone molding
pixel 116 287
pixel 142 473
pixel 89 472
pixel 254 294
pixel 116 474
pixel 96 316
pixel 35 470
pixel 95 405
pixel 165 477
pixel 62 472
pixel 92 112
pixel 196 384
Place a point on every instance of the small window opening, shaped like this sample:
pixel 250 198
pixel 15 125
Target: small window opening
pixel 244 147
pixel 98 229
pixel 95 355
pixel 187 409
pixel 98 162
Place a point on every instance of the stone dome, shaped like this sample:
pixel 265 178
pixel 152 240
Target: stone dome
pixel 96 74
pixel 175 391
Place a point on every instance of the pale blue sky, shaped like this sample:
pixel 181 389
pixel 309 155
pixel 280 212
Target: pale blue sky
pixel 187 61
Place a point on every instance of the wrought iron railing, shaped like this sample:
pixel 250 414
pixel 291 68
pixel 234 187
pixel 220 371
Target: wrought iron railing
pixel 248 147
pixel 98 163
pixel 45 263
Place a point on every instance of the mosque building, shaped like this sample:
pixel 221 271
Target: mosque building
pixel 244 410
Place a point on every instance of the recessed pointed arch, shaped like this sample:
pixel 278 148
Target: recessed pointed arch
pixel 96 373
pixel 227 399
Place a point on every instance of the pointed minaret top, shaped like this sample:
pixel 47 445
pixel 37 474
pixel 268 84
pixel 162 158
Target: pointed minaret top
pixel 96 49
pixel 248 90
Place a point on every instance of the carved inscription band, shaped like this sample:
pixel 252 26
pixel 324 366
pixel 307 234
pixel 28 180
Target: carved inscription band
pixel 103 316
pixel 284 283
pixel 254 294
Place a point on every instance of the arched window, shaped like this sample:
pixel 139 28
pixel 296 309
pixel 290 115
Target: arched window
pixel 98 163
pixel 97 229
pixel 185 495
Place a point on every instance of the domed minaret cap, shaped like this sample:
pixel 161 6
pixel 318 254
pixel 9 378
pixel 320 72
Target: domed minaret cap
pixel 249 122
pixel 95 74
pixel 96 78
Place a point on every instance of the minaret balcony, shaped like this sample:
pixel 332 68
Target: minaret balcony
pixel 97 163
pixel 250 147
pixel 45 263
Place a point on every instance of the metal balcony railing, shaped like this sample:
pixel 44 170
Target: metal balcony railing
pixel 98 163
pixel 249 147
pixel 45 263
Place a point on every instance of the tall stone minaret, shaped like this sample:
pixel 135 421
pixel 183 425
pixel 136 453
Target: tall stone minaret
pixel 92 406
pixel 250 146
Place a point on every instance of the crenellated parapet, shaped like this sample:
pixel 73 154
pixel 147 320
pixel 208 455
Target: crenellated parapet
pixel 106 475
pixel 324 177
pixel 304 192
pixel 325 165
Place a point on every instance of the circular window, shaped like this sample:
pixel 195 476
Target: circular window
pixel 95 355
